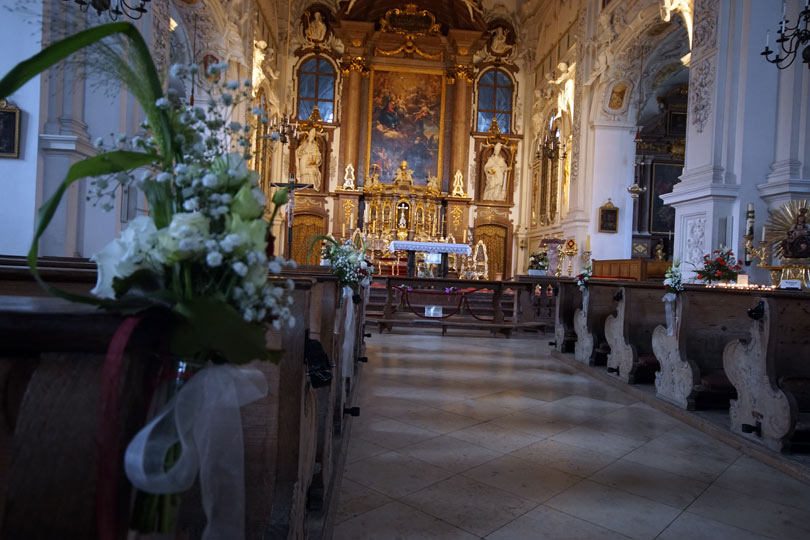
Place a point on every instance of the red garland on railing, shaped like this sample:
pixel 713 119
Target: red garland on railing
pixel 404 296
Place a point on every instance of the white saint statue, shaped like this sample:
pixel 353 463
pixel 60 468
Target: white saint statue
pixel 308 161
pixel 499 44
pixel 497 172
pixel 316 30
pixel 565 95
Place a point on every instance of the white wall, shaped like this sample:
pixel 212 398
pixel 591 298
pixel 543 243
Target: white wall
pixel 18 176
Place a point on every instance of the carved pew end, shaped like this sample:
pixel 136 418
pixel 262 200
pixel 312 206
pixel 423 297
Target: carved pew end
pixel 755 429
pixel 613 370
pixel 351 411
pixel 363 359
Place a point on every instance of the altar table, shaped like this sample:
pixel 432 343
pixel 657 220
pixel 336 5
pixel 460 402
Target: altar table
pixel 429 247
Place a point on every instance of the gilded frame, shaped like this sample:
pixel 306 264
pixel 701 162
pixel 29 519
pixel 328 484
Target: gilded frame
pixel 375 144
pixel 608 218
pixel 9 130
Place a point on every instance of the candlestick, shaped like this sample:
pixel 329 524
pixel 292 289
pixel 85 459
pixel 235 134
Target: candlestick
pixel 343 230
pixel 767 38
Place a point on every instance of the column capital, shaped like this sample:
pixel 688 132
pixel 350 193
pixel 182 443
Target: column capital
pixel 462 73
pixel 355 63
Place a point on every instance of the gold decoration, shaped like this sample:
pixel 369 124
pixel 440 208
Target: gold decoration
pixel 460 71
pixel 780 221
pixel 458 185
pixel 305 226
pixel 348 207
pixel 456 212
pixel 411 23
pixel 494 237
pixel 355 63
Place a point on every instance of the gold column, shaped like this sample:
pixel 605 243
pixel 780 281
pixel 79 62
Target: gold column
pixel 351 119
pixel 461 76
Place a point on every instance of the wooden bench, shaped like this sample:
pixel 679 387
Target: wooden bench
pixel 569 299
pixel 690 349
pixel 291 460
pixel 589 322
pixel 771 373
pixel 629 332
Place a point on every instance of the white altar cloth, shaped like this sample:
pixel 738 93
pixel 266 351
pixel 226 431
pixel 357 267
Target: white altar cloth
pixel 429 247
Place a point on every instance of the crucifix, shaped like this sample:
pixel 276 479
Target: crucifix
pixel 291 187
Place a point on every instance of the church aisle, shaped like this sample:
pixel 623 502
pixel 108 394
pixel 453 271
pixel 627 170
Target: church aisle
pixel 477 437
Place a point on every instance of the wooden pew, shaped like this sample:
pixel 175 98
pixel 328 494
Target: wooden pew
pixel 73 275
pixel 771 373
pixel 690 349
pixel 569 300
pixel 283 442
pixel 589 321
pixel 629 332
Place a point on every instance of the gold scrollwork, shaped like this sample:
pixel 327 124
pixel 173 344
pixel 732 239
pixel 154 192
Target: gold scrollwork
pixel 348 206
pixel 410 21
pixel 456 216
pixel 355 63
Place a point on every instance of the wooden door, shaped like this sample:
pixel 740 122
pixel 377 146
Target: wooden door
pixel 494 237
pixel 305 227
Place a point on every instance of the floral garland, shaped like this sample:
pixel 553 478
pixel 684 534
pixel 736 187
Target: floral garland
pixel 583 278
pixel 720 265
pixel 538 261
pixel 673 284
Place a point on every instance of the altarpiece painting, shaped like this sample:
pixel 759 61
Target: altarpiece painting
pixel 406 123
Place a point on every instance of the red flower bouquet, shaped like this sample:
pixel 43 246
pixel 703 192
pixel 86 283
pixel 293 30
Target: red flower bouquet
pixel 720 265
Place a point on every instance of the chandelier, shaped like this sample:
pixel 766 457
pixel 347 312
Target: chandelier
pixel 789 40
pixel 134 9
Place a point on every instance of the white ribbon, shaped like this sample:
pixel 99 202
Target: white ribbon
pixel 347 352
pixel 204 418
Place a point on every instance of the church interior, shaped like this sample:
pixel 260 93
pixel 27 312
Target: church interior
pixel 588 311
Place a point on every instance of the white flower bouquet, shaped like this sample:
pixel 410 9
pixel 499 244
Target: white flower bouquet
pixel 583 278
pixel 201 251
pixel 346 261
pixel 673 282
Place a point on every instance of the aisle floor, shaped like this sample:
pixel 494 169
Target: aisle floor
pixel 477 437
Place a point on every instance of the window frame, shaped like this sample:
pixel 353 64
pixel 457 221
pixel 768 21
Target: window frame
pixel 494 111
pixel 317 75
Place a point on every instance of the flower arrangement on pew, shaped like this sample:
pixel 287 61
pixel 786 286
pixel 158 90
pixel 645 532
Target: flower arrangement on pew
pixel 200 256
pixel 673 282
pixel 538 261
pixel 583 278
pixel 720 265
pixel 348 262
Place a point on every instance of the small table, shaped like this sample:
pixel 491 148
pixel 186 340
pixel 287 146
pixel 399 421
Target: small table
pixel 428 247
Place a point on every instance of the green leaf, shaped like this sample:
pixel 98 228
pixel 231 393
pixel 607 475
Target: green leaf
pixel 210 325
pixel 318 238
pixel 58 51
pixel 139 282
pixel 107 163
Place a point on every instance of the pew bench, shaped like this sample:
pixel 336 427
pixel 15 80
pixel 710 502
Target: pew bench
pixel 690 347
pixel 771 373
pixel 598 302
pixel 629 332
pixel 569 300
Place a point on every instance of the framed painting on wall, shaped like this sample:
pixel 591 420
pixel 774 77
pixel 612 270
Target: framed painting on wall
pixel 664 178
pixel 9 130
pixel 608 218
pixel 406 122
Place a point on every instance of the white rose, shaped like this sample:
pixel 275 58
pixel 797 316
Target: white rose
pixel 122 257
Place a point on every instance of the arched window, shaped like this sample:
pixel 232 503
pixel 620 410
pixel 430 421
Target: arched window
pixel 495 99
pixel 316 86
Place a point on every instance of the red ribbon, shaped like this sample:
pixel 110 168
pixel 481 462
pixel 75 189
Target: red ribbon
pixel 108 439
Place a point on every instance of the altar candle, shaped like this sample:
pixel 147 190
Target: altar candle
pixel 351 222
pixel 588 243
pixel 343 230
pixel 763 234
pixel 465 236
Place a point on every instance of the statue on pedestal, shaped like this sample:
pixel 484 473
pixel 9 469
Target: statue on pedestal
pixel 497 175
pixel 403 174
pixel 308 161
pixel 797 243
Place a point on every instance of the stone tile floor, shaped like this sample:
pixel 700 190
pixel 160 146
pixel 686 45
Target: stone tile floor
pixel 464 437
